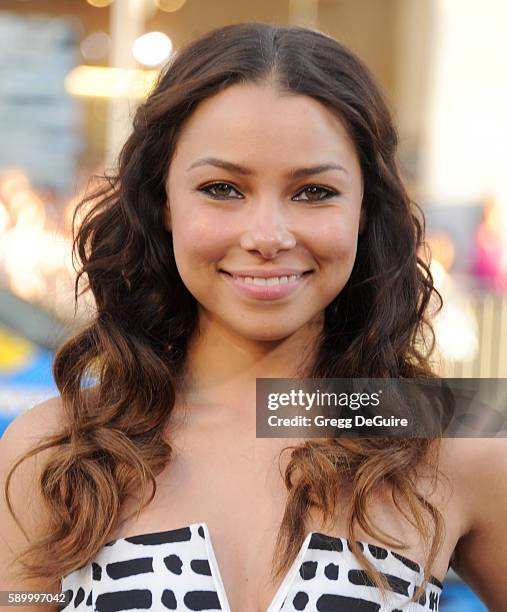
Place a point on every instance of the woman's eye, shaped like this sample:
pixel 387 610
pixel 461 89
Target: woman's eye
pixel 314 193
pixel 221 191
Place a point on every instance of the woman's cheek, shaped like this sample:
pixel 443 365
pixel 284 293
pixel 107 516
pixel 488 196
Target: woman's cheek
pixel 336 244
pixel 198 237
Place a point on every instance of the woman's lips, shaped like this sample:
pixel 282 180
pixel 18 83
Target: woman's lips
pixel 267 292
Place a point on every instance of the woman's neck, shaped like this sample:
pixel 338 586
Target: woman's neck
pixel 222 367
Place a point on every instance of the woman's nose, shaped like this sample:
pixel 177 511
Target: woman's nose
pixel 267 230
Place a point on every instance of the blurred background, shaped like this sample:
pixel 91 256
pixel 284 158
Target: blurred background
pixel 72 72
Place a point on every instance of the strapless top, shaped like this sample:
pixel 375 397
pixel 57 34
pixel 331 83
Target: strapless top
pixel 177 570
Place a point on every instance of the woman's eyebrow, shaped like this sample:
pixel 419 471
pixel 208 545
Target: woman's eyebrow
pixel 295 173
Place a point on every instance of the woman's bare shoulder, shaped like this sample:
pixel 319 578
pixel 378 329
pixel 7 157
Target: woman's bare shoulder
pixel 473 464
pixel 42 419
pixel 465 457
pixel 478 469
pixel 23 434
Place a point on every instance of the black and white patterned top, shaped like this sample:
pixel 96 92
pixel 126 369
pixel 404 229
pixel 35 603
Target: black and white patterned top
pixel 178 570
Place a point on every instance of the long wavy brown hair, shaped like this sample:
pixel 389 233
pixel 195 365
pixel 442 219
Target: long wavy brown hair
pixel 118 377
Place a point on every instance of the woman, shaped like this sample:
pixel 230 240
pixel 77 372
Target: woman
pixel 262 151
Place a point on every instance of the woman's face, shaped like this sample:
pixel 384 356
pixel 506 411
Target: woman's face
pixel 261 183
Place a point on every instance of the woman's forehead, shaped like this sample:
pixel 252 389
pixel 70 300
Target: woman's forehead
pixel 257 121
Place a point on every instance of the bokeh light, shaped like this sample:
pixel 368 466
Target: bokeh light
pixel 96 46
pixel 100 3
pixel 103 82
pixel 152 49
pixel 169 6
pixel 456 331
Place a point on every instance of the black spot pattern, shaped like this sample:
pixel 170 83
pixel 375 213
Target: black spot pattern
pixel 175 570
pixel 436 582
pixel 331 571
pixel 360 544
pixel 408 562
pixel 300 600
pixel 174 564
pixel 79 597
pixel 434 600
pixel 319 541
pixel 377 551
pixel 169 600
pixel 202 600
pixel 123 600
pixel 308 569
pixel 69 595
pixel 161 537
pixel 396 583
pixel 337 603
pixel 123 569
pixel 96 571
pixel 201 566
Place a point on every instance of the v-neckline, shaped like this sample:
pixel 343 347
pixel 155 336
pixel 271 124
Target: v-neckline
pixel 282 591
pixel 284 588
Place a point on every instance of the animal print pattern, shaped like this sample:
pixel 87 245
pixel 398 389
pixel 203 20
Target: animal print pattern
pixel 177 570
pixel 330 579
